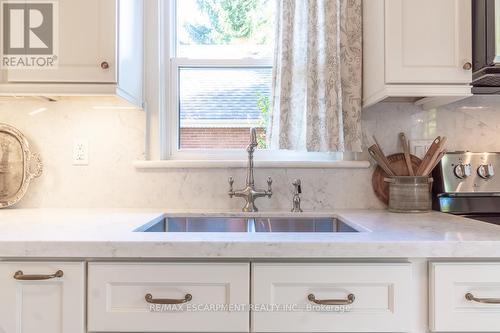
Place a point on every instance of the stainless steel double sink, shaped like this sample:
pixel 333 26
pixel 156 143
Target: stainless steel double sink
pixel 245 224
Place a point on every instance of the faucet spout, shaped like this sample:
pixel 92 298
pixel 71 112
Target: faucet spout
pixel 249 193
pixel 250 149
pixel 253 139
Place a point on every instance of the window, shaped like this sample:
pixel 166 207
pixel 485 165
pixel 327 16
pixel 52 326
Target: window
pixel 219 80
pixel 220 75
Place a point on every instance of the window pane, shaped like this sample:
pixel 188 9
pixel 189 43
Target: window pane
pixel 225 28
pixel 217 106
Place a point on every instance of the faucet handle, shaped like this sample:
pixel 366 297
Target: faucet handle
pixel 269 187
pixel 231 182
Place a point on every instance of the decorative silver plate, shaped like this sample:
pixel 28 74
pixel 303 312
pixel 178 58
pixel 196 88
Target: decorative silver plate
pixel 18 165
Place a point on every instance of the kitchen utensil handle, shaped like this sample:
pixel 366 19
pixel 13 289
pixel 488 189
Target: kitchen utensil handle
pixel 436 157
pixel 428 156
pixel 19 275
pixel 380 160
pixel 349 300
pixel 406 150
pixel 472 298
pixel 150 299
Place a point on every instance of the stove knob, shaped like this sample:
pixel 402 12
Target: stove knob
pixel 462 170
pixel 486 171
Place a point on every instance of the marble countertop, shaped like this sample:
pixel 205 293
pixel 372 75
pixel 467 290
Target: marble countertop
pixel 70 233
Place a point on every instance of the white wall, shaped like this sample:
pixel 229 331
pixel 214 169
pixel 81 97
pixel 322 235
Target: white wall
pixel 116 139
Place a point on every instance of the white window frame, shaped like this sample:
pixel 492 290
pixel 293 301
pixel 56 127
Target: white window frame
pixel 169 114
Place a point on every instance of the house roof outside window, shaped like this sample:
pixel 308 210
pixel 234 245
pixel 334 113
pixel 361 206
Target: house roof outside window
pixel 222 97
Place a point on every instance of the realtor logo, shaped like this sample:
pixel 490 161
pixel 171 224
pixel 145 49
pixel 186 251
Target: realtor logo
pixel 29 34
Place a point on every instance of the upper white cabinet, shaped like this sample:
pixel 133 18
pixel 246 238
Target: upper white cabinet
pixel 86 45
pixel 417 48
pixel 42 297
pixel 428 41
pixel 99 48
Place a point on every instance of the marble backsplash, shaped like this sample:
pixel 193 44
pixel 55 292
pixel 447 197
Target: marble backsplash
pixel 116 135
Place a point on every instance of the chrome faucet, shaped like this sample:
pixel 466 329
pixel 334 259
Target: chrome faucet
pixel 249 193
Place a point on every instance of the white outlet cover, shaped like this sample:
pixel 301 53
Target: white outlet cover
pixel 420 147
pixel 80 152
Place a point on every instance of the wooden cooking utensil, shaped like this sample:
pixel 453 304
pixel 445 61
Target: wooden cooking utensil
pixel 397 163
pixel 428 156
pixel 406 151
pixel 381 160
pixel 381 156
pixel 433 165
pixel 435 158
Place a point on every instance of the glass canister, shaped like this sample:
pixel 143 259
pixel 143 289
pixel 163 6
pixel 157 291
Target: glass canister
pixel 410 194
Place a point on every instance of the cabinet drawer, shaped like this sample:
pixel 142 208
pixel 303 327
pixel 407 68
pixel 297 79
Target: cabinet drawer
pixel 39 300
pixel 117 297
pixel 451 311
pixel 380 302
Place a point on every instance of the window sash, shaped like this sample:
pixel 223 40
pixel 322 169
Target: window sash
pixel 174 93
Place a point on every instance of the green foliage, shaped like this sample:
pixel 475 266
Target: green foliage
pixel 230 20
pixel 263 103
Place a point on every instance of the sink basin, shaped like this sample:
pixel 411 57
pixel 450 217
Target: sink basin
pixel 243 224
pixel 301 225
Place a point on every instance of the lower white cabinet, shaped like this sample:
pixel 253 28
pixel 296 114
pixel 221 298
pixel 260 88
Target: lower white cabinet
pixel 366 297
pixel 464 297
pixel 147 297
pixel 42 297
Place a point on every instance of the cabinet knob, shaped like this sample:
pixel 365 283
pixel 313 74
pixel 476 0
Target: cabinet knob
pixel 467 66
pixel 104 65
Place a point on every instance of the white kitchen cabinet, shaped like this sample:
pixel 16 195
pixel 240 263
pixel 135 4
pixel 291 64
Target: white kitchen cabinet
pixel 86 48
pixel 37 301
pixel 369 297
pixel 118 301
pixel 464 297
pixel 131 51
pixel 100 52
pixel 417 49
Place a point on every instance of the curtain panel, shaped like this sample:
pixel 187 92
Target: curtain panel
pixel 316 93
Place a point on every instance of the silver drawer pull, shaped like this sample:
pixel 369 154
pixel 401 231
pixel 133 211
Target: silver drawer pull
pixel 471 297
pixel 149 298
pixel 19 275
pixel 350 299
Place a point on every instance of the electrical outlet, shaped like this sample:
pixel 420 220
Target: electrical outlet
pixel 81 152
pixel 420 147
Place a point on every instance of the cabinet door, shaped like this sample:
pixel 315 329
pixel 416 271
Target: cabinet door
pixel 86 46
pixel 337 297
pixel 428 41
pixel 30 304
pixel 464 297
pixel 168 297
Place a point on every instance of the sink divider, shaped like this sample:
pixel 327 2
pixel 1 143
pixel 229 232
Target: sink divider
pixel 251 225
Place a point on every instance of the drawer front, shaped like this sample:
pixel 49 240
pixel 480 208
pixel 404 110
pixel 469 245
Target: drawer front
pixel 117 297
pixel 451 311
pixel 37 301
pixel 380 302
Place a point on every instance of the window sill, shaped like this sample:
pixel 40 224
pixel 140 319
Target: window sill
pixel 221 164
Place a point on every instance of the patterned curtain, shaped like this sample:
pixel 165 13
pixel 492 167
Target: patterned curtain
pixel 316 97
